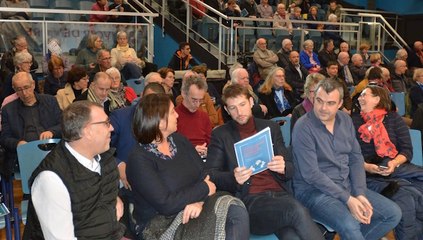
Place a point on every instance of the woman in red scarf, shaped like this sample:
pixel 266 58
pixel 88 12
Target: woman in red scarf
pixel 387 150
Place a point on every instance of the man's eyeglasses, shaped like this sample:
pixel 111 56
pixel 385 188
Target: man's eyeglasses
pixel 24 88
pixel 197 100
pixel 107 123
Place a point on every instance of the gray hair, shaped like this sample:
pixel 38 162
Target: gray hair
pixel 100 53
pixel 148 77
pixel 75 117
pixel 193 80
pixel 312 79
pixel 235 74
pixel 285 42
pixel 307 43
pixel 120 33
pixel 21 57
pixel 112 70
pixel 329 85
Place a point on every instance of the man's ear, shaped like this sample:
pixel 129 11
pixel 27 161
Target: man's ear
pixel 251 101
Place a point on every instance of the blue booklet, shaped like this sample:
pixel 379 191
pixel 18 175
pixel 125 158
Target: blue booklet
pixel 255 152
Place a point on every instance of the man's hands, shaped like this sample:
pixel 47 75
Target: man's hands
pixel 360 208
pixel 192 211
pixel 119 208
pixel 122 175
pixel 211 185
pixel 277 164
pixel 242 174
pixel 202 149
pixel 46 135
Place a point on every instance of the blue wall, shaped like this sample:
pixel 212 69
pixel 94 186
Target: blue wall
pixel 405 7
pixel 164 47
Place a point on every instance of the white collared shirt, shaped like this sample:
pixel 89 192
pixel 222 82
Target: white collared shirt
pixel 52 201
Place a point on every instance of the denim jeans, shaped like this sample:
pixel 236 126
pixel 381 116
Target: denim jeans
pixel 131 71
pixel 237 224
pixel 336 214
pixel 280 213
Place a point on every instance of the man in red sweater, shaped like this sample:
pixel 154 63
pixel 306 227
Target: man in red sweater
pixel 192 122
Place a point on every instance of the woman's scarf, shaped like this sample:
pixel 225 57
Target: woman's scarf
pixel 373 128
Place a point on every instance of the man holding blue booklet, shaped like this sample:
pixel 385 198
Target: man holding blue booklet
pixel 267 196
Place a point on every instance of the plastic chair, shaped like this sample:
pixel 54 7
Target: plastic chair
pixel 136 84
pixel 263 237
pixel 285 125
pixel 416 140
pixel 399 100
pixel 30 156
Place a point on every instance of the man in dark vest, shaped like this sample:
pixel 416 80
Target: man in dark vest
pixel 74 191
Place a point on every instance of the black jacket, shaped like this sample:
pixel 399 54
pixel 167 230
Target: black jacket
pixel 221 160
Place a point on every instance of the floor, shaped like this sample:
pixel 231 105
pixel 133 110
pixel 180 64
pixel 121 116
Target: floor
pixel 18 198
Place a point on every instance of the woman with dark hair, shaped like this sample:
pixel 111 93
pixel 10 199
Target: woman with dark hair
pixel 56 78
pixel 170 185
pixel 168 75
pixel 77 83
pixel 387 150
pixel 276 94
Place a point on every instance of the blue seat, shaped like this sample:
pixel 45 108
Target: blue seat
pixel 263 237
pixel 136 84
pixel 39 3
pixel 248 39
pixel 30 156
pixel 316 37
pixel 399 100
pixel 416 140
pixel 285 125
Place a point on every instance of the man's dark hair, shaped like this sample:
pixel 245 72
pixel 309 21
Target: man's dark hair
pixel 233 91
pixel 182 45
pixel 329 85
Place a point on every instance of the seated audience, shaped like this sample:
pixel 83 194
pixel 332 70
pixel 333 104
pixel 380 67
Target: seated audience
pixel 104 62
pixel 22 62
pixel 54 49
pixel 297 17
pixel 267 195
pixel 99 92
pixel 193 123
pixel 207 105
pixel 162 194
pixel 357 68
pixel 295 74
pixel 201 70
pixel 313 16
pixel 56 79
pixel 121 6
pixel 231 11
pixel 399 80
pixel 416 91
pixel 364 52
pixel 264 10
pixel 77 83
pixel 276 94
pixel 101 5
pixel 182 58
pixel 281 18
pixel 251 7
pixel 329 176
pixel 309 58
pixel 7 63
pixel 264 58
pixel 331 72
pixel 125 58
pixel 283 53
pixel 387 150
pixel 168 76
pixel 344 69
pixel 87 57
pixel 327 53
pixel 307 104
pixel 332 30
pixel 334 8
pixel 415 59
pixel 30 117
pixel 71 188
pixel 123 94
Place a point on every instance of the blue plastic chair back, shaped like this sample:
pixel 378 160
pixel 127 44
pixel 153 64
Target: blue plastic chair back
pixel 399 100
pixel 30 156
pixel 136 84
pixel 416 140
pixel 285 128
